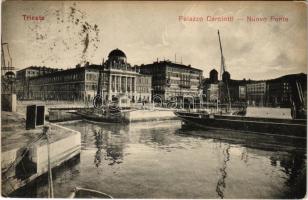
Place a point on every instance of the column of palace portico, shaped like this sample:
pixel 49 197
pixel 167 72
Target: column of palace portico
pixel 109 95
pixel 132 84
pixel 129 82
pixel 128 86
pixel 135 88
pixel 115 84
pixel 125 77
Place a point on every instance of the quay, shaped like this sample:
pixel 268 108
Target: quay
pixel 24 152
pixel 128 116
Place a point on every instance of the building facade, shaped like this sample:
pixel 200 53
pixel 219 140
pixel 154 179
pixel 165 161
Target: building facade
pixel 256 93
pixel 121 75
pixel 143 88
pixel 68 84
pixel 172 81
pixel 118 80
pixel 287 90
pixel 23 76
pixel 212 92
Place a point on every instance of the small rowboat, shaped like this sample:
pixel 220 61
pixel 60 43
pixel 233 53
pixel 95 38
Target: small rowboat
pixel 88 193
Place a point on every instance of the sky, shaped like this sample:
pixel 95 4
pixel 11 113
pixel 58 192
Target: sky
pixel 73 33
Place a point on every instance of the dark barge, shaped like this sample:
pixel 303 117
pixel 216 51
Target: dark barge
pixel 276 126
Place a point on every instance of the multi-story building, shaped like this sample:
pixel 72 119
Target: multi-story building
pixel 172 80
pixel 23 76
pixel 143 88
pixel 286 90
pixel 118 80
pixel 212 92
pixel 71 84
pixel 256 93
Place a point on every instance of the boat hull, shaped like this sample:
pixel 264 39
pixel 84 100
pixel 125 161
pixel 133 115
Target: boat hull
pixel 287 127
pixel 117 117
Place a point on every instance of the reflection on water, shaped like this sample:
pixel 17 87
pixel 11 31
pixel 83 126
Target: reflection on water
pixel 221 184
pixel 162 160
pixel 113 149
pixel 99 146
pixel 295 169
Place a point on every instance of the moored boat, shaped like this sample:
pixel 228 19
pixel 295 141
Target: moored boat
pixel 112 116
pixel 88 193
pixel 267 125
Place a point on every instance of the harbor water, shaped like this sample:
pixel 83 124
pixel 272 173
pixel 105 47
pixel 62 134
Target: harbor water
pixel 164 160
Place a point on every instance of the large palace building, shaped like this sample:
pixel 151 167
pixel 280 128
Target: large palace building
pixel 119 79
pixel 172 80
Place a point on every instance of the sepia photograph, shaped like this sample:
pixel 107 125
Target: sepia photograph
pixel 154 99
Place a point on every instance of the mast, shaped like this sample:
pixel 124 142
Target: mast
pixel 223 66
pixel 3 60
pixel 223 69
pixel 99 93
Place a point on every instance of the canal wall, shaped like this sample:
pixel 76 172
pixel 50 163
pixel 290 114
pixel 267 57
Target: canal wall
pixel 267 112
pixel 61 149
pixel 24 152
pixel 8 158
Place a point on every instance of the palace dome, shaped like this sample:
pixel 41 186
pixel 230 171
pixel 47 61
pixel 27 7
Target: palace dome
pixel 116 53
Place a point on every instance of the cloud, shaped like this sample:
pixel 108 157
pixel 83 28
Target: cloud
pixel 150 30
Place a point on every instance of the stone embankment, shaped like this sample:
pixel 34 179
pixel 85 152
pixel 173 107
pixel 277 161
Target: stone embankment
pixel 24 152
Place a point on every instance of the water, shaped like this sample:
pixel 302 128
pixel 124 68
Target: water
pixel 162 160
